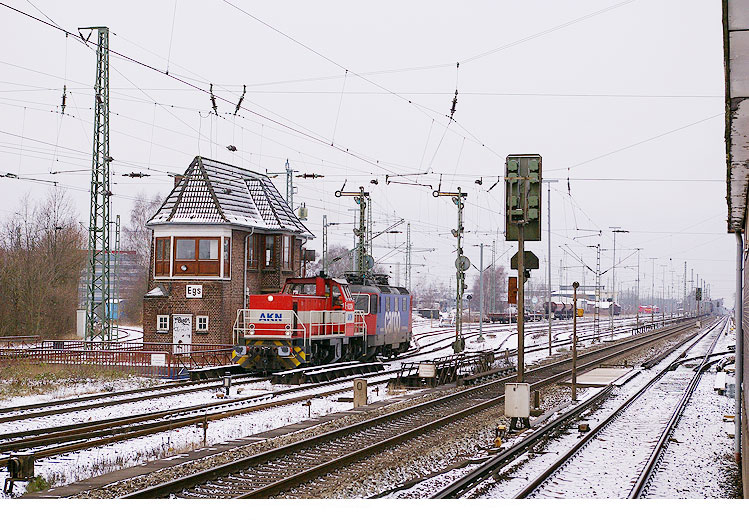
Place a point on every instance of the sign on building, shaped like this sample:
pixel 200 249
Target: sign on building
pixel 194 291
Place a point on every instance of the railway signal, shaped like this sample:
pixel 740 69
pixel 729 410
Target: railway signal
pixel 361 197
pixel 462 263
pixel 512 290
pixel 522 222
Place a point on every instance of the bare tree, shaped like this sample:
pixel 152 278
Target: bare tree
pixel 499 278
pixel 137 237
pixel 41 260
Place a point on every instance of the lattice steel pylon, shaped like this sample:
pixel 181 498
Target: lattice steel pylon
pixel 289 185
pixel 597 311
pixel 408 256
pixel 116 286
pixel 98 316
pixel 369 226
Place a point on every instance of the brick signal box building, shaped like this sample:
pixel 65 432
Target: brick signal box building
pixel 222 233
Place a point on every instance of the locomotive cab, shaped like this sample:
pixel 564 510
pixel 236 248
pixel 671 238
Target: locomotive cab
pixel 311 321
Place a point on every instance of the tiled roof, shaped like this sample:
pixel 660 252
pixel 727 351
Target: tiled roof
pixel 212 192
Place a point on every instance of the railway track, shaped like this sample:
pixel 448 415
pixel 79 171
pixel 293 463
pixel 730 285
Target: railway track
pixel 646 418
pixel 62 439
pixel 271 472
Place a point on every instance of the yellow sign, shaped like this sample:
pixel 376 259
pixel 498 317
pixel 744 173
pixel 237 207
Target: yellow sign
pixel 580 312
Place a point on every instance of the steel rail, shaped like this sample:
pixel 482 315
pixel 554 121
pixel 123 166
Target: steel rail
pixel 466 483
pixel 659 450
pixel 570 453
pixel 158 393
pixel 544 375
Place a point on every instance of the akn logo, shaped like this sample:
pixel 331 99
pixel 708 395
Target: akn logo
pixel 270 317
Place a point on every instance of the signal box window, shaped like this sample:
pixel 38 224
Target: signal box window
pixel 196 256
pixel 269 260
pixel 252 252
pixel 161 256
pixel 201 323
pixel 286 254
pixel 227 257
pixel 162 324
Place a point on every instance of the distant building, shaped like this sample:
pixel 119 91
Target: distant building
pixel 222 233
pixel 128 275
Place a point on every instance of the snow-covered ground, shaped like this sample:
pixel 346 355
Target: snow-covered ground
pixel 700 446
pixel 79 387
pixel 64 469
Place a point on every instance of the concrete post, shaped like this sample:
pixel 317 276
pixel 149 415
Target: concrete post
pixel 360 392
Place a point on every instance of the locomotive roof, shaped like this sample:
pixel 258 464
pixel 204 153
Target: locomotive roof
pixel 213 192
pixel 378 288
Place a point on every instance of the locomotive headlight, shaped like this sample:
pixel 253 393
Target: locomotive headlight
pixel 270 298
pixel 252 329
pixel 288 330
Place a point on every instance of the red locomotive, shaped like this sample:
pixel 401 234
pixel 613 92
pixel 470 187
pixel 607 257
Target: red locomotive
pixel 318 320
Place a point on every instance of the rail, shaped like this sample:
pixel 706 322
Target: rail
pixel 315 456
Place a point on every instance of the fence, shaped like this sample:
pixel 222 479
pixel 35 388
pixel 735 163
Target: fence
pixel 12 341
pixel 149 359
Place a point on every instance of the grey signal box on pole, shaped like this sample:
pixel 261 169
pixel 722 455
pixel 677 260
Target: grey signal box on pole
pixel 523 196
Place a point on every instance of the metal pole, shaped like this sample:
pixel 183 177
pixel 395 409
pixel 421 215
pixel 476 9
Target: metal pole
pixel 481 294
pixel 613 292
pixel 459 282
pixel 548 293
pixel 637 316
pixel 289 185
pixel 325 244
pixel 575 285
pixel 739 315
pixel 521 288
pixel 652 293
pixel 99 288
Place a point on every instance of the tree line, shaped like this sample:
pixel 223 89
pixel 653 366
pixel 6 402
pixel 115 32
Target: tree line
pixel 41 261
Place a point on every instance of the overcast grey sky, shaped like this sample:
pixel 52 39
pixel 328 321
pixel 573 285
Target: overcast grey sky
pixel 629 92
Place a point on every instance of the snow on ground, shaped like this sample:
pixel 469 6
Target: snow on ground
pixel 64 469
pixel 517 474
pixel 699 460
pixel 72 388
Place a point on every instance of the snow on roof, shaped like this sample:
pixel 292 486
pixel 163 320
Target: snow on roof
pixel 736 53
pixel 213 192
pixel 156 292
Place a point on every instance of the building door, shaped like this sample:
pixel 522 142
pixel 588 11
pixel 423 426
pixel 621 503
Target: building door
pixel 182 333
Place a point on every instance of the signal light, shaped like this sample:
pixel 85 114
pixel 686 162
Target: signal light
pixel 512 290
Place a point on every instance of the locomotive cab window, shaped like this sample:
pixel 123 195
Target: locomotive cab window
pixel 362 303
pixel 301 289
pixel 337 297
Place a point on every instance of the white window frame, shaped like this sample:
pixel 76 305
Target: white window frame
pixel 198 321
pixel 159 319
